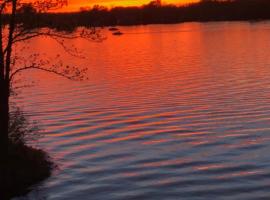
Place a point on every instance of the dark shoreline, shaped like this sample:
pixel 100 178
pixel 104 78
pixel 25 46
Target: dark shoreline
pixel 152 13
pixel 26 167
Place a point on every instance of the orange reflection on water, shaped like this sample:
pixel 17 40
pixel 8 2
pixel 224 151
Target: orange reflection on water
pixel 241 174
pixel 165 87
pixel 169 106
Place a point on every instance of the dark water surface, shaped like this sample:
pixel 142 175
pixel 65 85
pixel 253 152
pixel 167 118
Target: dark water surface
pixel 170 112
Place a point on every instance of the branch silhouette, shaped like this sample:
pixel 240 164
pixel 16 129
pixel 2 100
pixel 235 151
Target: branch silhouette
pixel 16 30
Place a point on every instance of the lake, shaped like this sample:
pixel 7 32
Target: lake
pixel 168 112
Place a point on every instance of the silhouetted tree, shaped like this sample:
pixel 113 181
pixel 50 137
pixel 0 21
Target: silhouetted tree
pixel 18 24
pixel 155 3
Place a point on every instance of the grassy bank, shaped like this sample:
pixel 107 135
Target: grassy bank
pixel 25 167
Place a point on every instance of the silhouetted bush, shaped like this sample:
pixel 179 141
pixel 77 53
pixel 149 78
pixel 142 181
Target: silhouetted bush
pixel 24 165
pixel 21 130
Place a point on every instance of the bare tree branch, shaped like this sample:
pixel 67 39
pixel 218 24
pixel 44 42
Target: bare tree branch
pixel 71 73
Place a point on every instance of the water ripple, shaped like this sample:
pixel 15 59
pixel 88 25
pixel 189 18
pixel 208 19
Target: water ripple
pixel 172 115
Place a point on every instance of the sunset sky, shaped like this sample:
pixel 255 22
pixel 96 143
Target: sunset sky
pixel 77 4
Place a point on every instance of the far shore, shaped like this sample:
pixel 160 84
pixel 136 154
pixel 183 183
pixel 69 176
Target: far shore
pixel 152 13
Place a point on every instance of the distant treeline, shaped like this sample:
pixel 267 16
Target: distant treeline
pixel 152 13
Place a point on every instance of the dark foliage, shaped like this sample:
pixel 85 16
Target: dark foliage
pixel 152 13
pixel 25 167
pixel 21 130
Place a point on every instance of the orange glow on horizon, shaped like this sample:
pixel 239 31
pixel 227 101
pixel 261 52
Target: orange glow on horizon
pixel 75 5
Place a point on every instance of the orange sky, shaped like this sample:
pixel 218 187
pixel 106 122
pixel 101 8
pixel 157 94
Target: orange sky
pixel 77 4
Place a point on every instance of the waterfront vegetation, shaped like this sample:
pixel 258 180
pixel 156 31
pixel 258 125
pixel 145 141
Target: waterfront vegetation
pixel 152 13
pixel 25 165
pixel 22 166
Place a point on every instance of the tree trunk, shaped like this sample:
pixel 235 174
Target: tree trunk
pixel 4 117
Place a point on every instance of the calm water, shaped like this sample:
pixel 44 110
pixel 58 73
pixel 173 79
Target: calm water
pixel 170 112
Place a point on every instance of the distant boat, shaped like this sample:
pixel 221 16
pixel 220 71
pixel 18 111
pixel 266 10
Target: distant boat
pixel 118 33
pixel 113 29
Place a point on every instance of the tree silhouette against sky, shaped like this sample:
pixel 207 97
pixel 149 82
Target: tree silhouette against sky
pixel 15 32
